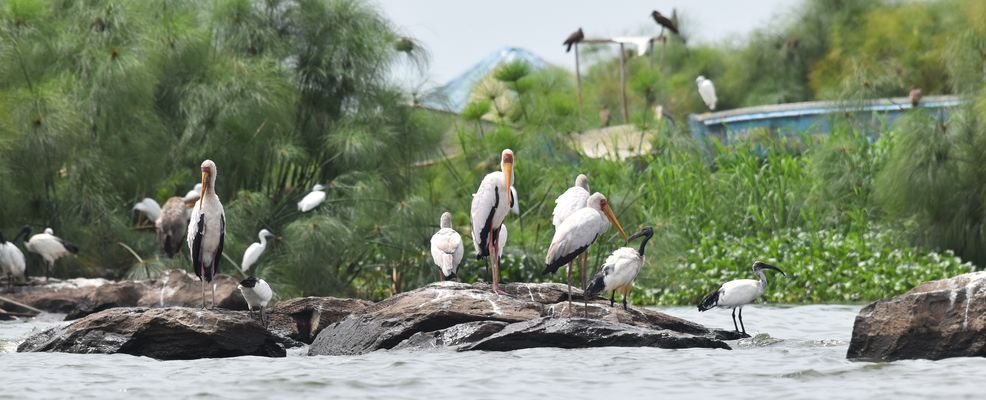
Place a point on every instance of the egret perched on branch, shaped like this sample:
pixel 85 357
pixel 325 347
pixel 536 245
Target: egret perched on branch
pixel 253 252
pixel 573 39
pixel 12 263
pixel 193 195
pixel 707 91
pixel 48 246
pixel 172 225
pixel 620 269
pixel 490 205
pixel 577 233
pixel 257 293
pixel 446 248
pixel 313 199
pixel 207 230
pixel 150 208
pixel 567 204
pixel 738 293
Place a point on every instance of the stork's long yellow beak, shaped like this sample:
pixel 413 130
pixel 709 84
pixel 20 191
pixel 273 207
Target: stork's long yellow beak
pixel 205 185
pixel 508 169
pixel 612 218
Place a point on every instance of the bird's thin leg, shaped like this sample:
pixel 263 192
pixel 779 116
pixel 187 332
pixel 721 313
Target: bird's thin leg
pixel 741 320
pixel 570 289
pixel 626 293
pixel 585 261
pixel 203 291
pixel 495 263
pixel 47 270
pixel 734 320
pixel 612 298
pixel 213 295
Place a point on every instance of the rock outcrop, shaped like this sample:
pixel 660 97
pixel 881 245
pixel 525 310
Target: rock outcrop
pixel 935 320
pixel 303 318
pixel 174 333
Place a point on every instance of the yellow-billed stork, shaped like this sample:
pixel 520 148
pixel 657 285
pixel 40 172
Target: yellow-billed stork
pixel 49 247
pixel 567 204
pixel 207 230
pixel 446 248
pixel 738 293
pixel 490 205
pixel 620 269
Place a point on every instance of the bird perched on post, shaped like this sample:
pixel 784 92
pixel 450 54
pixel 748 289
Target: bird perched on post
pixel 707 91
pixel 664 22
pixel 620 269
pixel 573 39
pixel 446 248
pixel 252 253
pixel 313 199
pixel 207 230
pixel 49 247
pixel 171 226
pixel 915 96
pixel 490 205
pixel 738 293
pixel 257 293
pixel 12 263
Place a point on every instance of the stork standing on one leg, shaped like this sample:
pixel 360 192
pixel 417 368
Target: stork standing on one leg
pixel 490 205
pixel 567 204
pixel 577 233
pixel 738 293
pixel 206 230
pixel 620 269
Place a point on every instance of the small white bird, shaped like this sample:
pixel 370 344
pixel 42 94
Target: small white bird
pixel 738 293
pixel 446 248
pixel 12 263
pixel 172 226
pixel 49 247
pixel 193 195
pixel 257 293
pixel 207 230
pixel 253 252
pixel 514 203
pixel 313 199
pixel 707 91
pixel 620 269
pixel 150 208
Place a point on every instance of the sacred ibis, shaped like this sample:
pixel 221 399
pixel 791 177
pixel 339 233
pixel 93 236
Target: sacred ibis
pixel 738 293
pixel 257 293
pixel 490 205
pixel 620 269
pixel 12 263
pixel 171 226
pixel 207 230
pixel 253 252
pixel 313 199
pixel 446 248
pixel 707 90
pixel 48 246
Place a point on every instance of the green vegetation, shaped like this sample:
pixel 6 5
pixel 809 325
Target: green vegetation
pixel 107 102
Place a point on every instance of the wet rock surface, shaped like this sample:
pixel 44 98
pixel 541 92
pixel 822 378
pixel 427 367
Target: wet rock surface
pixel 935 320
pixel 303 318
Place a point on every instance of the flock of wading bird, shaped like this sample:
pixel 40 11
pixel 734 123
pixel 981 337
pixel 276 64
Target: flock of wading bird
pixel 579 217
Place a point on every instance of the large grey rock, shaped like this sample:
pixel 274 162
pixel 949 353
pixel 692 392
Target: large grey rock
pixel 641 317
pixel 175 333
pixel 451 337
pixel 573 333
pixel 303 318
pixel 935 320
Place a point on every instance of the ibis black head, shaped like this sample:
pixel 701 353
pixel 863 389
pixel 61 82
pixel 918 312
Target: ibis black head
pixel 646 231
pixel 760 265
pixel 249 282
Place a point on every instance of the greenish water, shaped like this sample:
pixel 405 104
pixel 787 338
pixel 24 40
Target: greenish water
pixel 798 353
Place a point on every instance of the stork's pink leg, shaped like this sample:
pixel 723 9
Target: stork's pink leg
pixel 495 261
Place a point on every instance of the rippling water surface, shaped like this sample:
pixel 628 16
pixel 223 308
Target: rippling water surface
pixel 798 353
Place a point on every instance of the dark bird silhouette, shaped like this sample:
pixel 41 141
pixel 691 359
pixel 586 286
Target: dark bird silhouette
pixel 915 96
pixel 664 22
pixel 572 39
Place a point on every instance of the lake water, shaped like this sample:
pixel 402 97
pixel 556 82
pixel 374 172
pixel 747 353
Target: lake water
pixel 799 353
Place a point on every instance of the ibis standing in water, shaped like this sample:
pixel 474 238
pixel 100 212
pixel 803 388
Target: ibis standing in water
pixel 49 247
pixel 12 262
pixel 171 226
pixel 446 248
pixel 620 269
pixel 257 293
pixel 738 293
pixel 574 236
pixel 490 205
pixel 707 90
pixel 567 204
pixel 313 199
pixel 207 230
pixel 252 253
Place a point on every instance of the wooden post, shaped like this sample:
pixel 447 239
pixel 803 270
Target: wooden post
pixel 664 43
pixel 578 78
pixel 623 84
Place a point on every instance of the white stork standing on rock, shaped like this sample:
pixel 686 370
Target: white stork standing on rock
pixel 48 246
pixel 490 205
pixel 567 204
pixel 574 236
pixel 620 269
pixel 207 230
pixel 12 263
pixel 446 248
pixel 738 293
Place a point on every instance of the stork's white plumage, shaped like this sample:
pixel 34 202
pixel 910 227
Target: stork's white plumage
pixel 620 269
pixel 501 241
pixel 257 294
pixel 207 230
pixel 446 248
pixel 707 90
pixel 514 202
pixel 738 293
pixel 313 199
pixel 12 263
pixel 150 208
pixel 252 253
pixel 172 225
pixel 571 201
pixel 490 205
pixel 577 232
pixel 49 247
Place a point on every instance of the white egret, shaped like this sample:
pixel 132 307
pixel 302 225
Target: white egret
pixel 313 199
pixel 567 204
pixel 207 230
pixel 193 195
pixel 707 90
pixel 577 233
pixel 172 225
pixel 620 269
pixel 490 205
pixel 253 252
pixel 150 208
pixel 257 293
pixel 738 293
pixel 12 263
pixel 446 248
pixel 49 247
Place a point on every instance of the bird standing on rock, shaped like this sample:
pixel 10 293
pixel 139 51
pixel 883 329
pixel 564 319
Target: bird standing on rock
pixel 490 205
pixel 12 262
pixel 48 246
pixel 257 293
pixel 171 226
pixel 446 248
pixel 620 269
pixel 738 293
pixel 207 230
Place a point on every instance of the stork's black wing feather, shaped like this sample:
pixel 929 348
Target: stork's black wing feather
pixel 197 247
pixel 219 250
pixel 484 234
pixel 550 268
